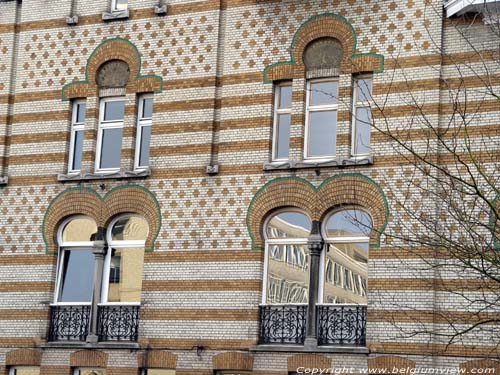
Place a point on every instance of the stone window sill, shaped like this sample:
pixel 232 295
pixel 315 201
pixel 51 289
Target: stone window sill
pixel 4 180
pixel 103 176
pixel 90 345
pixel 338 162
pixel 310 349
pixel 115 15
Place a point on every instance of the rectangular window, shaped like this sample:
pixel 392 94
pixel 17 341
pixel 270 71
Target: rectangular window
pixel 76 139
pixel 76 276
pixel 88 371
pixel 125 276
pixel 24 370
pixel 362 116
pixel 118 5
pixel 144 121
pixel 282 121
pixel 321 122
pixel 153 371
pixel 109 137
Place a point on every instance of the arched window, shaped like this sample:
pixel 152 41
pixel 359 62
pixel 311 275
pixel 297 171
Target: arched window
pixel 122 277
pixel 346 234
pixel 287 258
pixel 75 277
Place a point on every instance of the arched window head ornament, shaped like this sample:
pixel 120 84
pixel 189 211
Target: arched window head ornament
pixel 129 228
pixel 113 74
pixel 288 224
pixel 78 229
pixel 323 53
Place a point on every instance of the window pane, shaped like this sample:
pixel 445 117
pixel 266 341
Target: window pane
pixel 289 225
pixel 283 136
pixel 125 278
pixel 160 372
pixel 80 112
pixel 322 133
pixel 27 370
pixel 349 223
pixel 79 229
pixel 345 282
pixel 144 151
pixel 131 228
pixel 285 97
pixel 114 110
pixel 111 148
pixel 363 124
pixel 147 108
pixel 288 274
pixel 121 4
pixel 364 89
pixel 77 150
pixel 89 371
pixel 77 276
pixel 324 93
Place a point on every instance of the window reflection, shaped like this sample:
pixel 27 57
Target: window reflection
pixel 77 276
pixel 79 229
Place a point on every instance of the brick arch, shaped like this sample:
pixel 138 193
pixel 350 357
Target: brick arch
pixel 327 25
pixel 356 190
pixel 23 357
pixel 88 358
pixel 279 193
pixel 73 201
pixel 84 201
pixel 308 361
pixel 232 361
pixel 344 189
pixel 479 364
pixel 157 359
pixel 390 363
pixel 113 49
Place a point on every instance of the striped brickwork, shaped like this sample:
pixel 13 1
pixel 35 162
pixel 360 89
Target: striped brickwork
pixel 202 284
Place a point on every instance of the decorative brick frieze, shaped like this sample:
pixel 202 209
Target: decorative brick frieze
pixel 88 358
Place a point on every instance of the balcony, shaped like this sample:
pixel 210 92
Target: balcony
pixel 114 323
pixel 460 7
pixel 337 325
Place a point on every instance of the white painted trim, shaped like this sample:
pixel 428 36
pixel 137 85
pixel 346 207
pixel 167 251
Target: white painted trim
pixel 141 122
pixel 459 7
pixel 280 111
pixel 104 125
pixel 114 8
pixel 319 108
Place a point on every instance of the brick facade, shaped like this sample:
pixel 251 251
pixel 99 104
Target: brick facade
pixel 212 67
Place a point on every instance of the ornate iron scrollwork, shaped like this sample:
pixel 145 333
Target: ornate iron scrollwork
pixel 118 323
pixel 283 324
pixel 69 322
pixel 341 325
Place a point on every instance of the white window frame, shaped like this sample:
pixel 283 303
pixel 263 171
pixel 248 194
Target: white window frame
pixel 121 244
pixel 280 111
pixel 77 370
pixel 356 105
pixel 114 6
pixel 278 241
pixel 75 126
pixel 319 108
pixel 141 122
pixel 105 125
pixel 63 246
pixel 334 240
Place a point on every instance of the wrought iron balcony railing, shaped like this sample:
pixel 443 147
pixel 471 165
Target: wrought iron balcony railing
pixel 341 325
pixel 283 324
pixel 118 322
pixel 69 322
